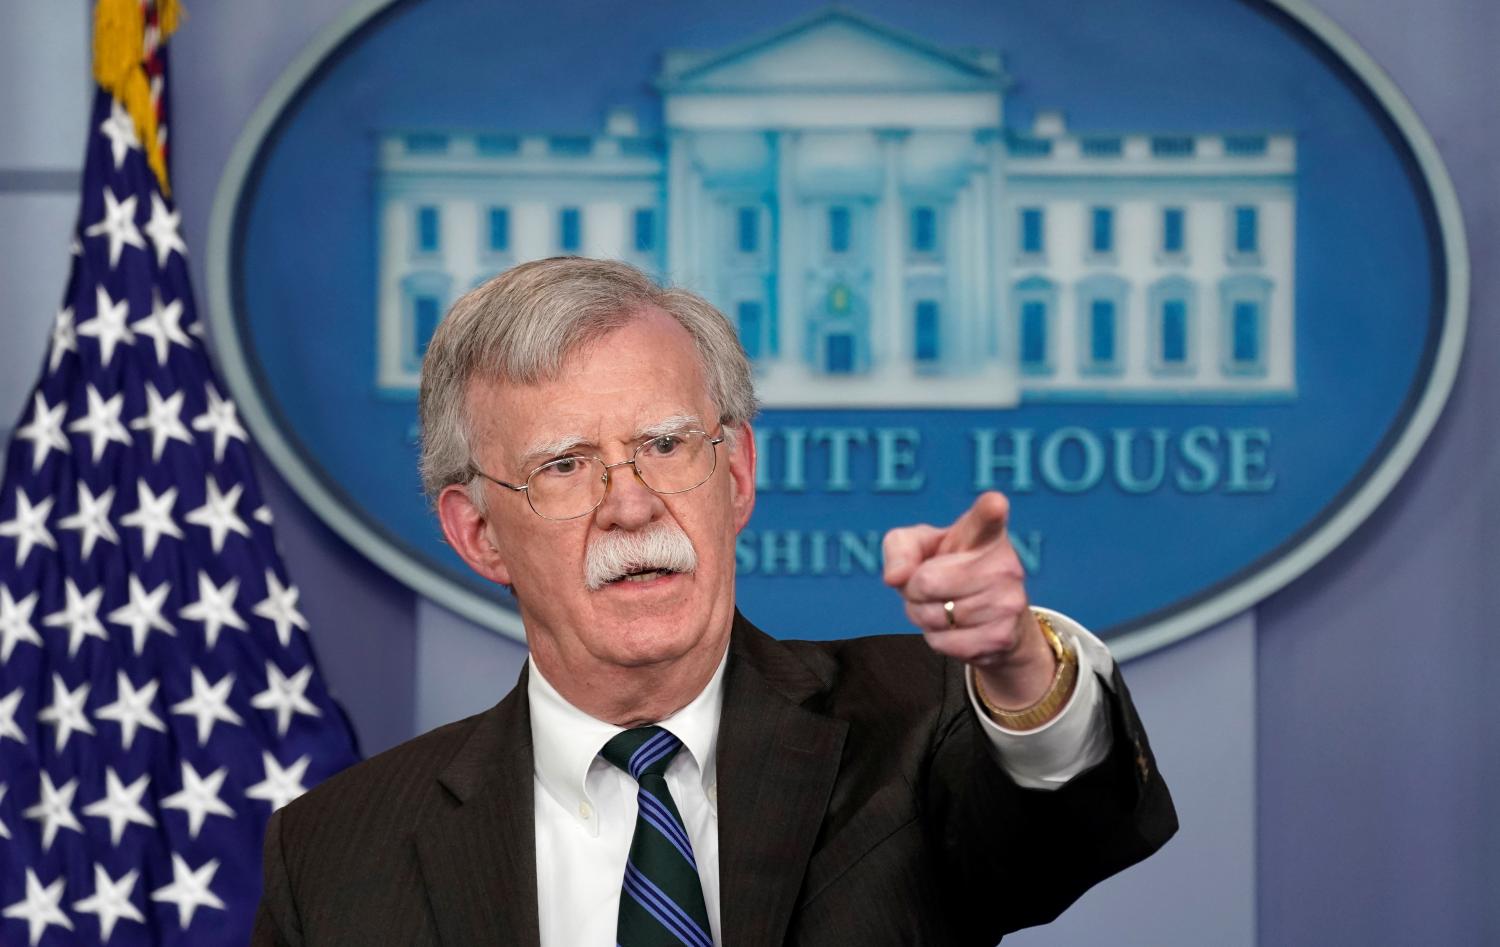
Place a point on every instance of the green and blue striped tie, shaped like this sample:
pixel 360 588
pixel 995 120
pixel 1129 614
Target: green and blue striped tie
pixel 661 903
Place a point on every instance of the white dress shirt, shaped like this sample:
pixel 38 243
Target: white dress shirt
pixel 586 808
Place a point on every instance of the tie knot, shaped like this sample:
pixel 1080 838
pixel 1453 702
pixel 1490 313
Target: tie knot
pixel 642 751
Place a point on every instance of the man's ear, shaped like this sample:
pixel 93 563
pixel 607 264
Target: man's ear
pixel 470 534
pixel 742 475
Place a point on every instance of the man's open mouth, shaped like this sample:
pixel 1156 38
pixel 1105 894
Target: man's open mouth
pixel 643 575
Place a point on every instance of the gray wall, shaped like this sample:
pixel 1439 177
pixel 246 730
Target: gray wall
pixel 1333 753
pixel 1379 747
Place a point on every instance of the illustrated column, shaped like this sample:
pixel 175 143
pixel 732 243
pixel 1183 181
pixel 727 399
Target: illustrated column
pixel 974 311
pixel 1002 329
pixel 677 217
pixel 961 280
pixel 700 233
pixel 788 276
pixel 889 350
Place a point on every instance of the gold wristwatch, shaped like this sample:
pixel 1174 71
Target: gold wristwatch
pixel 1063 681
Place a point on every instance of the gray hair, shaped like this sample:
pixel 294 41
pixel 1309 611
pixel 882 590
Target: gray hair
pixel 522 324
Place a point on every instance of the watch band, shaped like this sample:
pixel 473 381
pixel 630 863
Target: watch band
pixel 1063 681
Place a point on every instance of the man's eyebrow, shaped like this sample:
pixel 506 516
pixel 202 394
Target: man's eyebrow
pixel 545 450
pixel 675 424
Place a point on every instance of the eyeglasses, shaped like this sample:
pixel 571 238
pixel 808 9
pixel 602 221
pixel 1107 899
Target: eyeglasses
pixel 574 485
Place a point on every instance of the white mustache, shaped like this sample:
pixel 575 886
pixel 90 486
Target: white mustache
pixel 618 553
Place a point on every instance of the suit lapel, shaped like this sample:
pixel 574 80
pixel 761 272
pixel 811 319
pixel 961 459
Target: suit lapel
pixel 776 767
pixel 479 857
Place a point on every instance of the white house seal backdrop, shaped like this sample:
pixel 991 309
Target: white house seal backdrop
pixel 1186 280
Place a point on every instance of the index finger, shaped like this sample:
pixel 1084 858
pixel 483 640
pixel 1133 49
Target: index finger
pixel 980 525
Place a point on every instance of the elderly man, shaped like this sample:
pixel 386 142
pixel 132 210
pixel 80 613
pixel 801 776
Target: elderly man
pixel 664 772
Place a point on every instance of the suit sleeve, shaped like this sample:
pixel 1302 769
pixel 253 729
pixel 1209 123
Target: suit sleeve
pixel 276 917
pixel 1017 857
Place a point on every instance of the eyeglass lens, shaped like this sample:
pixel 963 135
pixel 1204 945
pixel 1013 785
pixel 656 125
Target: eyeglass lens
pixel 572 486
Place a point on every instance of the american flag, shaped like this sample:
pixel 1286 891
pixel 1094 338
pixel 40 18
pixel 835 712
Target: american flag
pixel 158 694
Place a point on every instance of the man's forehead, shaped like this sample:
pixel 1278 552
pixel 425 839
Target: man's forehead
pixel 556 429
pixel 509 409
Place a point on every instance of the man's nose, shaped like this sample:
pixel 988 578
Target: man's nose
pixel 628 503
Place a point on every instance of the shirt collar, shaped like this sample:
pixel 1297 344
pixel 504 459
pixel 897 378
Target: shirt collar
pixel 565 740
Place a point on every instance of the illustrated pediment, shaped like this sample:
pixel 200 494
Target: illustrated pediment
pixel 832 50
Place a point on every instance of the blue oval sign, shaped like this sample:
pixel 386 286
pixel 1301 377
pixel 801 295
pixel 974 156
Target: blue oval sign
pixel 1191 297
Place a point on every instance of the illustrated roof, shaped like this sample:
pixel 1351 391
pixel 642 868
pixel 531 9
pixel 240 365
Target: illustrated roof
pixel 834 49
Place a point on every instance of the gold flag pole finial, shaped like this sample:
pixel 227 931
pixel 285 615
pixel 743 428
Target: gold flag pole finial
pixel 120 67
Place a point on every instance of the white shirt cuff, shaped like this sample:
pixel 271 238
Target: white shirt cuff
pixel 1074 740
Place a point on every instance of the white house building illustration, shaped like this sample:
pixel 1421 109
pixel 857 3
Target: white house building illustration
pixel 852 198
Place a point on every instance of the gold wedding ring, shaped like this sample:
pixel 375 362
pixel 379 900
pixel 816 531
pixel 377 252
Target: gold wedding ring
pixel 948 610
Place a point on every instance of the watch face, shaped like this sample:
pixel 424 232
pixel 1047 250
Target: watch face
pixel 1183 278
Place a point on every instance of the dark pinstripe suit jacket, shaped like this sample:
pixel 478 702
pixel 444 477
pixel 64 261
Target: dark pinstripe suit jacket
pixel 859 803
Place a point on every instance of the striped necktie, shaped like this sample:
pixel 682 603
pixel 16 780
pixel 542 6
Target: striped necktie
pixel 662 899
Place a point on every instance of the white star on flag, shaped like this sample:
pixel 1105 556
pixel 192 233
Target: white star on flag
pixel 199 797
pixel 152 516
pixel 66 711
pixel 220 418
pixel 4 831
pixel 163 418
pixel 280 608
pixel 55 809
pixel 108 324
pixel 217 514
pixel 286 696
pixel 40 908
pixel 92 518
pixel 163 326
pixel 121 805
pixel 102 422
pixel 143 613
pixel 29 527
pixel 118 226
pixel 8 705
pixel 111 901
pixel 162 229
pixel 119 128
pixel 215 608
pixel 64 338
pixel 15 623
pixel 80 615
pixel 280 786
pixel 45 430
pixel 189 889
pixel 263 516
pixel 209 704
pixel 132 708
